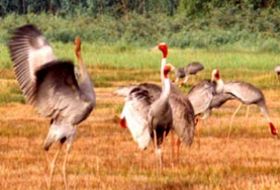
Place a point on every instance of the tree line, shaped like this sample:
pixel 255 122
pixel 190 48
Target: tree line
pixel 119 8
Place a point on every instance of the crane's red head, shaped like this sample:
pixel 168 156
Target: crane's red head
pixel 273 129
pixel 215 75
pixel 163 48
pixel 166 69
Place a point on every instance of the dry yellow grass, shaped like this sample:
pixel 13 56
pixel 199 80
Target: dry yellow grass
pixel 105 157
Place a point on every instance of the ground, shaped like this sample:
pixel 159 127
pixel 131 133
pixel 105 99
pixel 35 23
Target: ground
pixel 104 155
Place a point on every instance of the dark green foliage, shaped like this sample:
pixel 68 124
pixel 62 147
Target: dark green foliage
pixel 119 8
pixel 253 24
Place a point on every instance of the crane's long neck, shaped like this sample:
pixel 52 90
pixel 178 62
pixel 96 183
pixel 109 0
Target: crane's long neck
pixel 82 67
pixel 163 63
pixel 84 80
pixel 166 88
pixel 220 86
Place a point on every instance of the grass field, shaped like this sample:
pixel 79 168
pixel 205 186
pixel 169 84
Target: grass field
pixel 104 156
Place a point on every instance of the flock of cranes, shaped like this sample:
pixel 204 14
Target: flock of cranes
pixel 150 111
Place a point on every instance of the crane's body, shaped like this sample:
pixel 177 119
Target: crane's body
pixel 202 94
pixel 50 85
pixel 204 98
pixel 182 111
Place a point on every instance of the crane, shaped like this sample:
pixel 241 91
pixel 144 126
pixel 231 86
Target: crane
pixel 204 98
pixel 149 118
pixel 184 72
pixel 50 85
pixel 182 112
pixel 201 94
pixel 248 94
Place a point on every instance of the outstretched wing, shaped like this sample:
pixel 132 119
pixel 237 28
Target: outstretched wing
pixel 135 113
pixel 245 92
pixel 201 96
pixel 219 99
pixel 58 95
pixel 183 117
pixel 48 84
pixel 29 50
pixel 194 67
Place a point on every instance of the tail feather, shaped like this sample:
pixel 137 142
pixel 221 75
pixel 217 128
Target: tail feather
pixel 61 133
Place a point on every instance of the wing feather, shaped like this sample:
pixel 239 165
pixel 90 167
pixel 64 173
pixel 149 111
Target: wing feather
pixel 58 94
pixel 29 50
pixel 183 117
pixel 201 96
pixel 244 92
pixel 137 105
pixel 47 83
pixel 135 111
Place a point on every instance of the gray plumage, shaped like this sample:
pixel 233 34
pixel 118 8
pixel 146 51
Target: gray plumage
pixel 191 69
pixel 145 112
pixel 180 72
pixel 160 119
pixel 182 111
pixel 50 84
pixel 204 98
pixel 244 92
pixel 201 96
pixel 219 99
pixel 248 94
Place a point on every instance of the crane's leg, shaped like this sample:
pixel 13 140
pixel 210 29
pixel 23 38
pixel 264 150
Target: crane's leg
pixel 198 133
pixel 52 167
pixel 162 149
pixel 178 143
pixel 247 113
pixel 231 120
pixel 248 121
pixel 157 150
pixel 172 148
pixel 68 147
pixel 155 142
